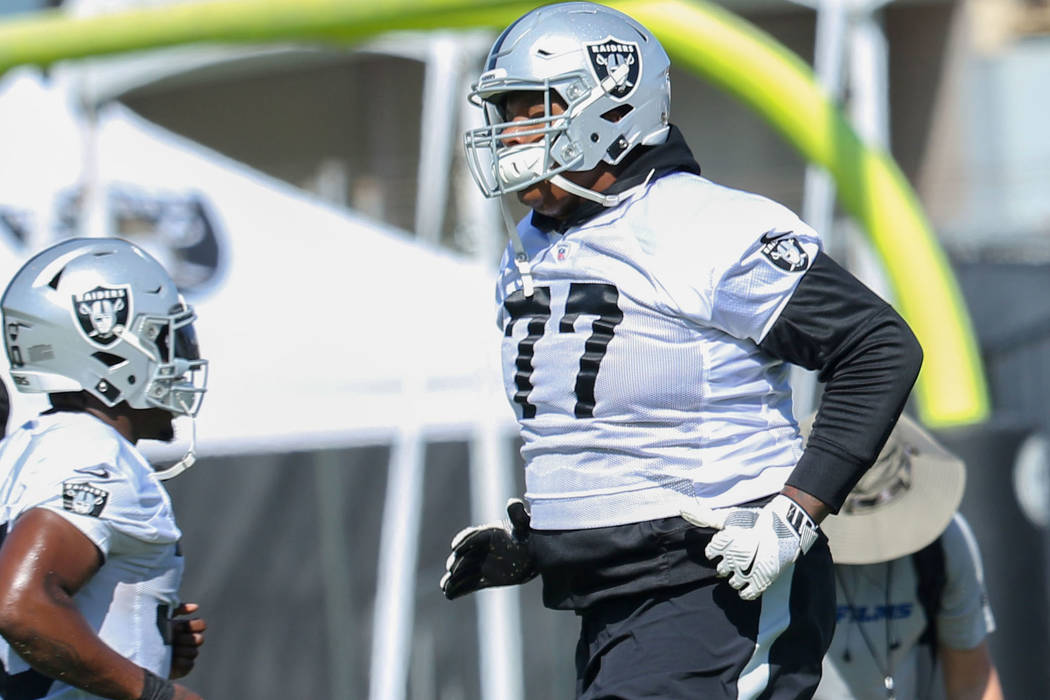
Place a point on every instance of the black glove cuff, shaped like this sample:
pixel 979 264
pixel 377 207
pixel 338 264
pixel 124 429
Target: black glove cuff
pixel 156 688
pixel 520 519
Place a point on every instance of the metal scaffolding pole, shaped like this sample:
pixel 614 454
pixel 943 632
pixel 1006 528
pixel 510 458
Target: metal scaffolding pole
pixel 849 33
pixel 396 582
pixel 818 195
pixel 499 609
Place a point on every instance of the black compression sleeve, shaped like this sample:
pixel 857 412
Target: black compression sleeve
pixel 867 357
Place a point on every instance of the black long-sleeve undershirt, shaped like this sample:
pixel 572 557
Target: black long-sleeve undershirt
pixel 868 359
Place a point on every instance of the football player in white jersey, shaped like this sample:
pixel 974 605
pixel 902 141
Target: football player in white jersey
pixel 649 319
pixel 89 562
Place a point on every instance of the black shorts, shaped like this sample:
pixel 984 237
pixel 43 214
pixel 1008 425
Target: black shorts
pixel 657 623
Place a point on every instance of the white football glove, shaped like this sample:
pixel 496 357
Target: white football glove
pixel 491 555
pixel 756 544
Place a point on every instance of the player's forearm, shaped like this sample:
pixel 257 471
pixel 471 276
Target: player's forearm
pixel 53 637
pixel 814 507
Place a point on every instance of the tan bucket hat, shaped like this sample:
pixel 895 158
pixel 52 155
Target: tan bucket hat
pixel 900 505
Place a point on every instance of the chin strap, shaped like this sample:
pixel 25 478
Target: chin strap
pixel 521 258
pixel 187 460
pixel 606 200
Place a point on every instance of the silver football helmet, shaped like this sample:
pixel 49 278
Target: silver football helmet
pixel 101 315
pixel 609 70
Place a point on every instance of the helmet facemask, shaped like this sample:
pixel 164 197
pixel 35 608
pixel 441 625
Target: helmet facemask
pixel 501 168
pixel 178 376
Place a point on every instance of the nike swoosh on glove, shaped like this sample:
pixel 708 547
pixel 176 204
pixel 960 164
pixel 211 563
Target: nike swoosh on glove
pixel 491 555
pixel 756 544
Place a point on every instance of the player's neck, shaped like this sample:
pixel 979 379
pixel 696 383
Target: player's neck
pixel 118 421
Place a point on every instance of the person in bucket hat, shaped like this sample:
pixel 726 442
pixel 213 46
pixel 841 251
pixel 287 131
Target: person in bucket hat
pixel 912 615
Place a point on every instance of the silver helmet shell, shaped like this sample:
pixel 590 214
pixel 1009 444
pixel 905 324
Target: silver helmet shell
pixel 102 316
pixel 609 70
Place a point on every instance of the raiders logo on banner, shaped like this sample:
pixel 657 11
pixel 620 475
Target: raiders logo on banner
pixel 783 250
pixel 83 498
pixel 617 59
pixel 100 310
pixel 182 231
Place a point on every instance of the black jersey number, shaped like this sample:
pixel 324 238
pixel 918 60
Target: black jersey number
pixel 589 298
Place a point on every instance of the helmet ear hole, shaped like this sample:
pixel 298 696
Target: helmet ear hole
pixel 617 113
pixel 108 359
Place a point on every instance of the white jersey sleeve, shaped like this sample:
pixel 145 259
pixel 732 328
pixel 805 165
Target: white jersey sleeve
pixel 79 471
pixel 737 260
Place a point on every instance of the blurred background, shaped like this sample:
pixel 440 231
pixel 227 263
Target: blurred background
pixel 310 198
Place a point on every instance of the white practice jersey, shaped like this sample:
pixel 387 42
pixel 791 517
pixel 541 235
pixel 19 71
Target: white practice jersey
pixel 634 367
pixel 82 469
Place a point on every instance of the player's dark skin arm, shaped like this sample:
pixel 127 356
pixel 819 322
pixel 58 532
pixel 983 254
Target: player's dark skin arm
pixel 44 561
pixel 817 509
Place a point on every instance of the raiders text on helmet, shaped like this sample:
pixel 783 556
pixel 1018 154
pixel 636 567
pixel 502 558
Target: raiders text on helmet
pixel 612 74
pixel 101 315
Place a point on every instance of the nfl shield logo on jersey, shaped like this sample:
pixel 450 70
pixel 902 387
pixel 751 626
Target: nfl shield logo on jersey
pixel 619 60
pixel 101 309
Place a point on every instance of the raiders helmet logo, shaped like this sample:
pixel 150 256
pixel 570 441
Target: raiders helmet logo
pixel 783 250
pixel 616 60
pixel 100 310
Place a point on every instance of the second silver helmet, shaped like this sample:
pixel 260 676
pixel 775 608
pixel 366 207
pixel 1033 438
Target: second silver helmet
pixel 102 316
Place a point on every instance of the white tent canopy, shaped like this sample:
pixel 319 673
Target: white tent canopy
pixel 322 328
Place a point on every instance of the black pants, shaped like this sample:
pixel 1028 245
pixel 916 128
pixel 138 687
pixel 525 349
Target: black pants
pixel 677 631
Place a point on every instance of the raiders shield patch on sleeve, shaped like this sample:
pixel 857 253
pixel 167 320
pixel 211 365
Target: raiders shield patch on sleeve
pixel 783 250
pixel 83 498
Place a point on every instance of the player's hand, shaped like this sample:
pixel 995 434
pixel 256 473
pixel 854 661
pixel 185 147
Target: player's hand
pixel 490 555
pixel 187 635
pixel 756 544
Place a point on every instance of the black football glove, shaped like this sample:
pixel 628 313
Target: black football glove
pixel 490 555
